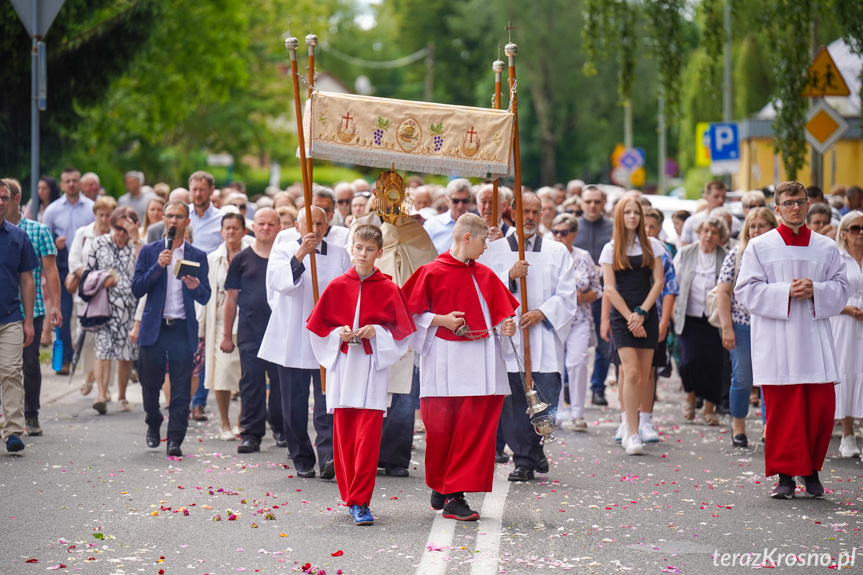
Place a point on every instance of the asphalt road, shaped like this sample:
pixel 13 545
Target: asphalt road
pixel 89 497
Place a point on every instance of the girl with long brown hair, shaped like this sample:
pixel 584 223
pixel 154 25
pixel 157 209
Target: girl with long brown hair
pixel 632 270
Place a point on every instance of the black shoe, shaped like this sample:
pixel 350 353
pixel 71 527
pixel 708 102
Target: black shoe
pixel 723 409
pixel 456 508
pixel 397 471
pixel 249 445
pixel 740 440
pixel 785 489
pixel 328 470
pixel 813 485
pixel 153 438
pixel 501 457
pixel 305 473
pixel 33 427
pixel 541 462
pixel 174 449
pixel 598 398
pixel 521 473
pixel 437 500
pixel 280 439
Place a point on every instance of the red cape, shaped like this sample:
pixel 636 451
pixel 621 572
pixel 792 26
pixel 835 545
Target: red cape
pixel 446 285
pixel 383 303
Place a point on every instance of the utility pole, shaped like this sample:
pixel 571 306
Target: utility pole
pixel 726 73
pixel 816 161
pixel 627 124
pixel 663 151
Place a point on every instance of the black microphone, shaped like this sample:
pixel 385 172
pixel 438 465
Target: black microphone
pixel 172 232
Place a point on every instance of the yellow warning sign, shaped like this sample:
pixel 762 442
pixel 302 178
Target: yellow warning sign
pixel 825 78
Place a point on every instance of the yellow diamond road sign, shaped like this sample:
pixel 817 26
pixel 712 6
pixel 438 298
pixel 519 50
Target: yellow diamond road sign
pixel 825 78
pixel 824 126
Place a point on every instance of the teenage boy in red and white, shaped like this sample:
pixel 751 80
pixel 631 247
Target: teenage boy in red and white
pixel 463 378
pixel 792 282
pixel 365 308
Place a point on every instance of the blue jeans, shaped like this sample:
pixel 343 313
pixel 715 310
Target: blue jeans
pixel 601 360
pixel 66 308
pixel 741 373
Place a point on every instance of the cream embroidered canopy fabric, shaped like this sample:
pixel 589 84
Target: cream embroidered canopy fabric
pixel 415 136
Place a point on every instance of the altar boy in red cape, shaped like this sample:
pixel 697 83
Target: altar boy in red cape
pixel 463 378
pixel 360 328
pixel 792 281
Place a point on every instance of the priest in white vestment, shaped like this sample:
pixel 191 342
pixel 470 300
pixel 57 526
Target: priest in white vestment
pixel 287 344
pixel 793 281
pixel 552 302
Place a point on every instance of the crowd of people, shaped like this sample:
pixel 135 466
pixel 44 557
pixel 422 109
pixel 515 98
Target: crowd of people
pixel 197 289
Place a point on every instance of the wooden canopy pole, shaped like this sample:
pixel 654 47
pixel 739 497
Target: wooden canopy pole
pixel 291 43
pixel 497 66
pixel 311 42
pixel 511 50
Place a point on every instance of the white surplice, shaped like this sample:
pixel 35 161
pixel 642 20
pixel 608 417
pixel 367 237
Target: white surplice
pixel 461 368
pixel 792 342
pixel 551 288
pixel 336 235
pixel 357 379
pixel 286 341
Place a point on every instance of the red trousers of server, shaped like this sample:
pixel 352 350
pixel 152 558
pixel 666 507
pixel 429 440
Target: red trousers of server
pixel 460 442
pixel 356 447
pixel 799 426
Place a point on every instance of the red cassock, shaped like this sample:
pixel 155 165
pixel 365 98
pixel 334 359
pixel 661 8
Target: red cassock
pixel 799 417
pixel 460 429
pixel 357 432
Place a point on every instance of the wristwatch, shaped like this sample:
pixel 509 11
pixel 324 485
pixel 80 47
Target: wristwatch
pixel 640 311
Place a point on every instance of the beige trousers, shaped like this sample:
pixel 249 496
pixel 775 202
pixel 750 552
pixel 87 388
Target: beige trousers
pixel 12 378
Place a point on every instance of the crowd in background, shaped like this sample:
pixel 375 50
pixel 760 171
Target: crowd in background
pixel 86 253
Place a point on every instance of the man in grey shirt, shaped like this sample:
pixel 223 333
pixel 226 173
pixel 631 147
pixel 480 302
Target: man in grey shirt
pixel 134 197
pixel 594 231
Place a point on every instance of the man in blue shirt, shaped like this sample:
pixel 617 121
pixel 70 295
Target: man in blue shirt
pixel 17 262
pixel 440 227
pixel 63 217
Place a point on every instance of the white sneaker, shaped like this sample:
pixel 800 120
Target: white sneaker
pixel 227 435
pixel 633 445
pixel 848 447
pixel 648 433
pixel 580 424
pixel 622 432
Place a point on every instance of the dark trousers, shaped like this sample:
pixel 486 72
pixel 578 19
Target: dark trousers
pixel 601 360
pixel 33 371
pixel 295 384
pixel 517 429
pixel 66 305
pixel 253 393
pixel 398 430
pixel 172 348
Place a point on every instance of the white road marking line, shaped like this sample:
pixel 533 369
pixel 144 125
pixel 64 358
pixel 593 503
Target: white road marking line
pixel 491 519
pixel 440 537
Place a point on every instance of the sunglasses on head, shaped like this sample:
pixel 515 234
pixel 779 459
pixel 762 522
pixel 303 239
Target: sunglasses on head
pixel 561 233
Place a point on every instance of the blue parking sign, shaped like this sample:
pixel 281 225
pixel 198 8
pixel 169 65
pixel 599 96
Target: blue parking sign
pixel 724 144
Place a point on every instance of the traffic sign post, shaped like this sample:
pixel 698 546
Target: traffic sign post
pixel 724 149
pixel 37 17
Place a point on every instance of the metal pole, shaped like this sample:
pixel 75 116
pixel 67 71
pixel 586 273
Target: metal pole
pixel 726 73
pixel 311 42
pixel 34 106
pixel 816 161
pixel 662 145
pixel 497 66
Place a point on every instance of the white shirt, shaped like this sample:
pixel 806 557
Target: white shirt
pixel 461 368
pixel 287 341
pixel 336 235
pixel 550 289
pixel 356 379
pixel 64 218
pixel 703 281
pixel 795 336
pixel 634 249
pixel 174 308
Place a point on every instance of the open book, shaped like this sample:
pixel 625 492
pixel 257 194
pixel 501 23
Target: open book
pixel 186 268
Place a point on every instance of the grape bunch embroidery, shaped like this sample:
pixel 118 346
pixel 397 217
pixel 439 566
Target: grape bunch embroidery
pixel 378 134
pixel 437 132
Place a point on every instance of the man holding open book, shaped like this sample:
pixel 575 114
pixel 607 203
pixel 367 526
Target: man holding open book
pixel 172 274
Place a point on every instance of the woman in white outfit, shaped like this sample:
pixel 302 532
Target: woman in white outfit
pixel 582 335
pixel 222 370
pixel 848 333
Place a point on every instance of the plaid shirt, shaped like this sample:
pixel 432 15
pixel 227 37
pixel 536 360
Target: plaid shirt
pixel 43 242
